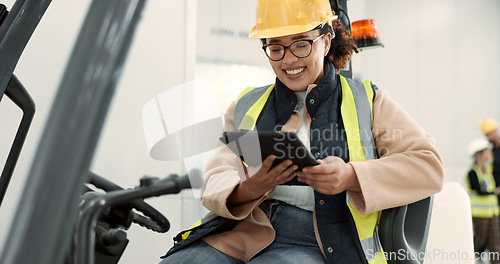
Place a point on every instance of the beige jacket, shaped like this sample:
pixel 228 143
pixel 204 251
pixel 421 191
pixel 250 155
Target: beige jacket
pixel 409 169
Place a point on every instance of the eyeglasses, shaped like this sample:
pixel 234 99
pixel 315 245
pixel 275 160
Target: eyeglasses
pixel 299 48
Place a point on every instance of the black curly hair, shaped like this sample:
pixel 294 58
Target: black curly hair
pixel 342 47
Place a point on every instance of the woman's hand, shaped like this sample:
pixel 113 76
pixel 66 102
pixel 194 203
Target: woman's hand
pixel 256 181
pixel 331 176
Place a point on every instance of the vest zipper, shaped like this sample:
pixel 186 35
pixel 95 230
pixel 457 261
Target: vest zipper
pixel 316 233
pixel 356 239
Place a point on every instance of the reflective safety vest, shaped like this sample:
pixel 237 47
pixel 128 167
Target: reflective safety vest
pixel 483 206
pixel 356 110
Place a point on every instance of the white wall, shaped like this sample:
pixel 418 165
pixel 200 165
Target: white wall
pixel 440 62
pixel 225 54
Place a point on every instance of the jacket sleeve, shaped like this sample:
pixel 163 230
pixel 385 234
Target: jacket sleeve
pixel 409 168
pixel 221 177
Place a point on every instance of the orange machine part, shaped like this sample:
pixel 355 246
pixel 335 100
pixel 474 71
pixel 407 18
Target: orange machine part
pixel 364 29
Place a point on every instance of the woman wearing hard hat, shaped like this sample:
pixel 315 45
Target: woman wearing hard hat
pixel 484 201
pixel 345 123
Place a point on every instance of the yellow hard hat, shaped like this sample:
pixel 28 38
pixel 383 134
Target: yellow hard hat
pixel 276 18
pixel 489 125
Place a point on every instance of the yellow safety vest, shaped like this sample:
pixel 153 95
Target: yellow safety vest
pixel 483 206
pixel 356 110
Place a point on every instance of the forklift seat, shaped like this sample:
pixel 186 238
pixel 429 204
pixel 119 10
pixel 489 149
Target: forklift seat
pixel 436 230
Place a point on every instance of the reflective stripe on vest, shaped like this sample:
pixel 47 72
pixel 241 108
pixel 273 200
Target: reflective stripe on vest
pixel 188 232
pixel 356 111
pixel 208 218
pixel 248 110
pixel 484 206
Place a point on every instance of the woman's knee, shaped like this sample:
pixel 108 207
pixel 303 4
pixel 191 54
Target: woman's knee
pixel 199 252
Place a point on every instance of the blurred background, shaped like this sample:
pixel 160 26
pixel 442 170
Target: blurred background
pixel 440 61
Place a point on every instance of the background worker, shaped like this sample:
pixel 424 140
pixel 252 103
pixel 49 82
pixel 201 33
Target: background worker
pixel 490 129
pixel 484 201
pixel 333 217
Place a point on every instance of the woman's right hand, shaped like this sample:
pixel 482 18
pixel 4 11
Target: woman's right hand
pixel 256 181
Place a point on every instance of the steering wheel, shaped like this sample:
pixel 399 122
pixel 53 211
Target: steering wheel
pixel 150 218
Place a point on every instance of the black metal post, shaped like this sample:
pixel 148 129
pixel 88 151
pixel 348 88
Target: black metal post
pixel 340 9
pixel 16 28
pixel 20 96
pixel 46 214
pixel 15 32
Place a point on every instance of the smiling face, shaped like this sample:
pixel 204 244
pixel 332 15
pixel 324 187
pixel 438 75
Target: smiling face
pixel 297 73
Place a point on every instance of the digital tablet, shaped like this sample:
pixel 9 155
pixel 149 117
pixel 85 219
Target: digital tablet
pixel 253 147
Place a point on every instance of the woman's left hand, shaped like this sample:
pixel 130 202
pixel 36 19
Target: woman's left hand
pixel 331 176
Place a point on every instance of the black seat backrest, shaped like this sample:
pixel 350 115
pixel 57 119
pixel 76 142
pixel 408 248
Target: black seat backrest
pixel 404 230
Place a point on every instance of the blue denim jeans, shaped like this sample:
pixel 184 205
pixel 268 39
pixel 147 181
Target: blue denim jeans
pixel 295 241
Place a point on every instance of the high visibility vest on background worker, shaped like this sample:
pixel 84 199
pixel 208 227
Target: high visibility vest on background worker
pixel 484 206
pixel 356 111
